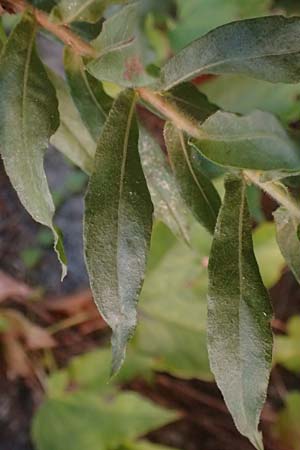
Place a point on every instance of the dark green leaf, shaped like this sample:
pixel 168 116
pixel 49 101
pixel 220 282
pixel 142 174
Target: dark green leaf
pixel 168 204
pixel 45 5
pixel 239 314
pixel 92 102
pixel 28 117
pixel 189 100
pixel 3 37
pixel 196 189
pixel 68 11
pixel 118 221
pixel 287 238
pixel 266 48
pixel 72 138
pixel 256 141
pixel 122 56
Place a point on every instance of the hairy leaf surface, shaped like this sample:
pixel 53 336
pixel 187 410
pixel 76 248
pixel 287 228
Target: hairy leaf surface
pixel 169 207
pixel 92 102
pixel 122 56
pixel 118 222
pixel 28 117
pixel 288 239
pixel 256 141
pixel 266 48
pixel 72 138
pixel 239 313
pixel 196 189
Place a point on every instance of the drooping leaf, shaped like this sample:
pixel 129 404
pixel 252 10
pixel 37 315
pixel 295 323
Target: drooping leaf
pixel 72 138
pixel 28 117
pixel 287 348
pixel 122 56
pixel 288 239
pixel 239 313
pixel 256 141
pixel 118 222
pixel 87 421
pixel 266 48
pixel 286 427
pixel 168 204
pixel 173 305
pixel 195 17
pixel 240 94
pixel 92 102
pixel 196 189
pixel 68 11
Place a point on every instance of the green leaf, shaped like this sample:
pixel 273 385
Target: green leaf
pixel 287 348
pixel 172 324
pixel 118 222
pixel 269 258
pixel 286 428
pixel 196 189
pixel 168 204
pixel 256 141
pixel 92 102
pixel 122 56
pixel 28 117
pixel 68 11
pixel 3 37
pixel 288 240
pixel 239 314
pixel 266 48
pixel 45 5
pixel 72 138
pixel 145 445
pixel 240 94
pixel 87 421
pixel 197 17
pixel 190 101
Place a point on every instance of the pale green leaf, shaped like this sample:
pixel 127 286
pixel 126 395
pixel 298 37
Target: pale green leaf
pixel 271 262
pixel 196 189
pixel 92 102
pixel 118 222
pixel 122 55
pixel 288 239
pixel 266 48
pixel 240 94
pixel 286 428
pixel 287 348
pixel 87 421
pixel 168 204
pixel 68 11
pixel 72 138
pixel 256 141
pixel 239 314
pixel 28 117
pixel 172 310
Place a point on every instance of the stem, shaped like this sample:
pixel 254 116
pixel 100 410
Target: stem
pixel 275 192
pixel 61 31
pixel 168 110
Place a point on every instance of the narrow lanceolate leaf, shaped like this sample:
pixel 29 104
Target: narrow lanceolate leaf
pixel 122 56
pixel 28 117
pixel 288 239
pixel 168 204
pixel 118 222
pixel 72 138
pixel 239 314
pixel 196 189
pixel 92 102
pixel 266 48
pixel 256 141
pixel 68 11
